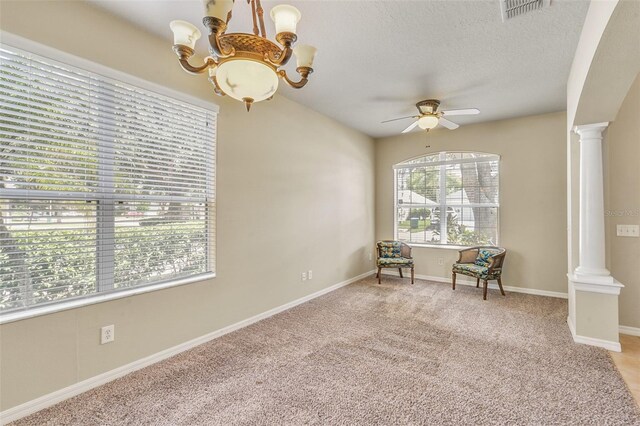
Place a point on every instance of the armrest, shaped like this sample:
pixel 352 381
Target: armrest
pixel 468 255
pixel 405 251
pixel 495 262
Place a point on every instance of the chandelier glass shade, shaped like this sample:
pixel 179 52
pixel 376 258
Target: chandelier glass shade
pixel 245 66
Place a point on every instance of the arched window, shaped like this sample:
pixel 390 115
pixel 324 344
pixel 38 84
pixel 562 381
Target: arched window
pixel 448 198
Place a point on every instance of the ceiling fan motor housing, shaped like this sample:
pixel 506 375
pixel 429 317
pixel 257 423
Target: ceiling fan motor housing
pixel 430 106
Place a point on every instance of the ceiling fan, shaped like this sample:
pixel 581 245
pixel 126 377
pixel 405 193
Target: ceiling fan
pixel 429 116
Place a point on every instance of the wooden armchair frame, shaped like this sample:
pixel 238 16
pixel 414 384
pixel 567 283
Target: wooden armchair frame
pixel 496 261
pixel 405 252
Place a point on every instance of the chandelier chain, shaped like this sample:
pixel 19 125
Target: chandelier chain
pixel 261 18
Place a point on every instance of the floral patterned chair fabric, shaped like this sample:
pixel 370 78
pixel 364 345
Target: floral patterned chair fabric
pixel 482 263
pixel 394 254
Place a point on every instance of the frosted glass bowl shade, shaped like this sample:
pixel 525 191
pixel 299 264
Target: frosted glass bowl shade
pixel 245 79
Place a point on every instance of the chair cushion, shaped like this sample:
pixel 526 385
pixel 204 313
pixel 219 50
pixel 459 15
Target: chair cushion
pixel 390 249
pixel 474 270
pixel 484 255
pixel 394 261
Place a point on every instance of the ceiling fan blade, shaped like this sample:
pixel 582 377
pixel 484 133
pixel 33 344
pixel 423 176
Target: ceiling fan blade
pixel 467 111
pixel 448 124
pixel 401 118
pixel 410 128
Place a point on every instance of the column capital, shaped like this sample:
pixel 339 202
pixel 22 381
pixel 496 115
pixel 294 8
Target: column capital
pixel 588 131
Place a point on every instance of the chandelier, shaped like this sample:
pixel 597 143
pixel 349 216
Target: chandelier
pixel 245 66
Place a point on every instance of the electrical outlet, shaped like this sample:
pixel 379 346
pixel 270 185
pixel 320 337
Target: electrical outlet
pixel 304 276
pixel 628 230
pixel 370 256
pixel 440 261
pixel 310 274
pixel 107 334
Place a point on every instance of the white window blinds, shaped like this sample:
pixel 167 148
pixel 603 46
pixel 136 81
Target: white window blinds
pixel 103 186
pixel 448 198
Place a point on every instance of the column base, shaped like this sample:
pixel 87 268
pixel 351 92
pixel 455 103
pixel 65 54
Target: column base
pixel 593 311
pixel 595 283
pixel 594 274
pixel 592 341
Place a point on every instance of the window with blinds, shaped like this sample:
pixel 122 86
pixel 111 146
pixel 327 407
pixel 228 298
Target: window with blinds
pixel 448 198
pixel 103 186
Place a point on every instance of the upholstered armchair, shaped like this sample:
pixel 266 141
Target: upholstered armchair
pixel 394 254
pixel 483 263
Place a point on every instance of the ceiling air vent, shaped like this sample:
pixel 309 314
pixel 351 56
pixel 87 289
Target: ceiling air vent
pixel 512 8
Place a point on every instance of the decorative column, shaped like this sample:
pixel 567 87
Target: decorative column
pixel 591 225
pixel 593 292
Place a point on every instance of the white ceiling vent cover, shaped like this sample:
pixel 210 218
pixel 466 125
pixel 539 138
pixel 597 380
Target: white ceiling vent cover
pixel 512 8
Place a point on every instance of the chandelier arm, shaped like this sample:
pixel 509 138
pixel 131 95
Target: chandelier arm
pixel 184 63
pixel 286 39
pixel 216 88
pixel 184 53
pixel 217 27
pixel 304 73
pixel 283 57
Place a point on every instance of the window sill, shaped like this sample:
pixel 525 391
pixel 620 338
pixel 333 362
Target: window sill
pixel 438 246
pixel 98 298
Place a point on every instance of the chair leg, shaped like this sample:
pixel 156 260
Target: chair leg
pixel 477 282
pixel 400 269
pixel 412 275
pixel 484 292
pixel 379 269
pixel 500 285
pixel 453 280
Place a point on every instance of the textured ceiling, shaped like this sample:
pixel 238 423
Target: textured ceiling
pixel 376 59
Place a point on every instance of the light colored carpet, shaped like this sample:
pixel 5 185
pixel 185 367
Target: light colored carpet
pixel 373 354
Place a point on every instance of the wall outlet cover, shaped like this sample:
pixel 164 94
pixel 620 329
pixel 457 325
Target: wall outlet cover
pixel 107 334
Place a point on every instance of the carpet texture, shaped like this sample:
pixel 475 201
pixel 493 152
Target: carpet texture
pixel 369 354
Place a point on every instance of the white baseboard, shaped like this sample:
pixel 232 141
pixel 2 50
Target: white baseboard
pixel 631 331
pixel 50 399
pixel 493 286
pixel 592 341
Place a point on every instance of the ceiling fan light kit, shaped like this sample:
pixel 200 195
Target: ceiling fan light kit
pixel 428 121
pixel 244 66
pixel 429 117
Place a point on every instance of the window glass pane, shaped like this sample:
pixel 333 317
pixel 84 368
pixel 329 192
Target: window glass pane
pixel 418 225
pixel 454 156
pixel 470 210
pixel 47 251
pixel 157 241
pixel 455 191
pixel 472 226
pixel 423 185
pixel 432 233
pixel 426 159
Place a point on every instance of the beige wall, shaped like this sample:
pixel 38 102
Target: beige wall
pixel 622 202
pixel 532 194
pixel 295 191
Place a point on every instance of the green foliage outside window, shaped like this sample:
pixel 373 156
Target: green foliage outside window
pixel 56 275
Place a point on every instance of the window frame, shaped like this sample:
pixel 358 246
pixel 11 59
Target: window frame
pixel 101 296
pixel 403 165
